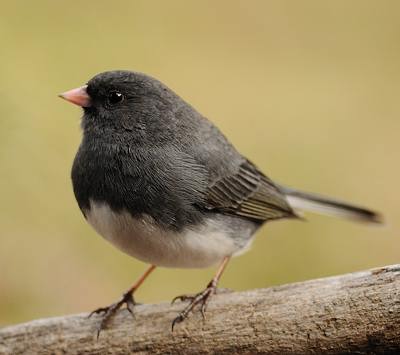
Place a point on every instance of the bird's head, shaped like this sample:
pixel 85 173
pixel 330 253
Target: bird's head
pixel 126 103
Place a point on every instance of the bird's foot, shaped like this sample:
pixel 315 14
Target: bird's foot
pixel 109 312
pixel 201 298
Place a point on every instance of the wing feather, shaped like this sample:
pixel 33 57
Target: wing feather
pixel 249 193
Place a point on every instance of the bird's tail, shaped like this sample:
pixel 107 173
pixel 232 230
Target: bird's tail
pixel 305 201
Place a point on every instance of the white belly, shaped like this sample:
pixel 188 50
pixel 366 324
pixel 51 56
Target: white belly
pixel 202 246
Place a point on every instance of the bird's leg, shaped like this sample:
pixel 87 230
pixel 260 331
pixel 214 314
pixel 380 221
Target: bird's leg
pixel 127 298
pixel 201 298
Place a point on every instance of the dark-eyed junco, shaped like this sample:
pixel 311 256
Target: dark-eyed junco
pixel 163 184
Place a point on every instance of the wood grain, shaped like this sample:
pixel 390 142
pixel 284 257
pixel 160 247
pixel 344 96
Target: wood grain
pixel 356 313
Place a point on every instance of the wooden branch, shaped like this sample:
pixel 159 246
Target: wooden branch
pixel 356 313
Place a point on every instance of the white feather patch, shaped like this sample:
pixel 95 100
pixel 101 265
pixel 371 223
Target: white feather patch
pixel 298 203
pixel 203 246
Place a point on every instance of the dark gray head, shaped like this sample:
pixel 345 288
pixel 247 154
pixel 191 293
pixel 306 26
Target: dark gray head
pixel 129 104
pixel 130 109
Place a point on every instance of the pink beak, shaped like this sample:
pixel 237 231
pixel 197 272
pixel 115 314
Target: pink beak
pixel 77 96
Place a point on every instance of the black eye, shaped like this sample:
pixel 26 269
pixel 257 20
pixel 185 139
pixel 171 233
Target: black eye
pixel 115 97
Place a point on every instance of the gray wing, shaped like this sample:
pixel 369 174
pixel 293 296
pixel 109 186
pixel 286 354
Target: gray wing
pixel 248 193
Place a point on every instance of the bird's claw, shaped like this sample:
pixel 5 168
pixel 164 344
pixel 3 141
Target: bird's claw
pixel 201 298
pixel 183 298
pixel 110 311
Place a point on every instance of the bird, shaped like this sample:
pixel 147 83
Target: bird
pixel 163 184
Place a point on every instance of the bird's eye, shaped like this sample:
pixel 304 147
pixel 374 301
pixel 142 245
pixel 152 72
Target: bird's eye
pixel 115 97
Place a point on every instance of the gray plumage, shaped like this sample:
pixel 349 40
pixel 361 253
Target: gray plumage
pixel 171 174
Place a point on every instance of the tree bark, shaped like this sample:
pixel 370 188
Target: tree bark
pixel 357 313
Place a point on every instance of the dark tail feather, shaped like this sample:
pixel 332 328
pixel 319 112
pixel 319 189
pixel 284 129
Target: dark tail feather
pixel 314 203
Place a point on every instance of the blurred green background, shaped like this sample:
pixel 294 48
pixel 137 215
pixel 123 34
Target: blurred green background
pixel 308 90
